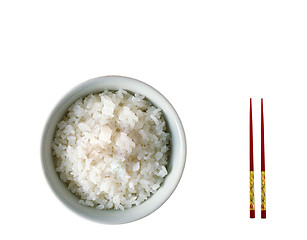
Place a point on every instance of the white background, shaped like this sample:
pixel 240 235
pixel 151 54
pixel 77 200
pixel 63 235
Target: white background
pixel 208 58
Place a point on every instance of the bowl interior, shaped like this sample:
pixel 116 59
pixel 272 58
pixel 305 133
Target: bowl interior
pixel 176 158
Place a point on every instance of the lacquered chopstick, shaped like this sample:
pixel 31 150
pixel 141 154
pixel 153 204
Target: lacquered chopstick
pixel 263 196
pixel 251 163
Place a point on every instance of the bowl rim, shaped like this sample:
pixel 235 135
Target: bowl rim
pixel 76 209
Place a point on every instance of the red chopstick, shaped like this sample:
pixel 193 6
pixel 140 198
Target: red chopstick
pixel 263 196
pixel 251 164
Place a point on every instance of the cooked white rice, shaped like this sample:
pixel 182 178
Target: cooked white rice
pixel 111 149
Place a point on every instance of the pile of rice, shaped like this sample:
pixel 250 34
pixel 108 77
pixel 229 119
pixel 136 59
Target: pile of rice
pixel 111 149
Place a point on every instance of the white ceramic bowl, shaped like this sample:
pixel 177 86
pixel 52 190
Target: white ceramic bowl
pixel 176 160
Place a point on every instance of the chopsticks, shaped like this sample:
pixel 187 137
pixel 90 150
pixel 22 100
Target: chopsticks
pixel 263 196
pixel 251 165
